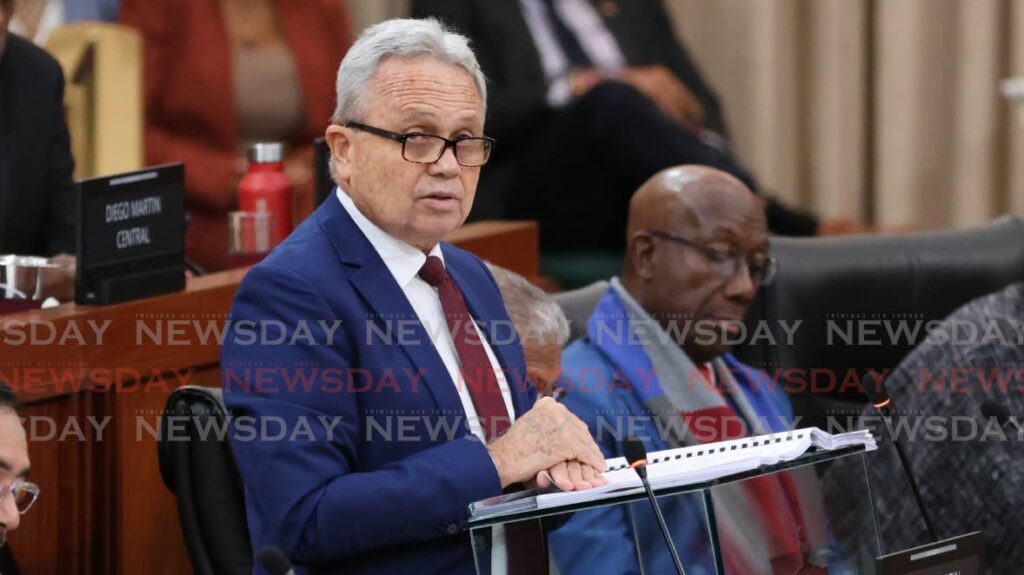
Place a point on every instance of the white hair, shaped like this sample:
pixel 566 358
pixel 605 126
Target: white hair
pixel 399 38
pixel 535 314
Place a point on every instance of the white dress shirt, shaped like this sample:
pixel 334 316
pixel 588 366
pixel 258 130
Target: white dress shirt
pixel 594 37
pixel 404 262
pixel 49 15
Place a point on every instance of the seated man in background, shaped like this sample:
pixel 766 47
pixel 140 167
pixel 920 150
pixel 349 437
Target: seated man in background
pixel 588 100
pixel 542 326
pixel 37 192
pixel 966 380
pixel 414 410
pixel 653 365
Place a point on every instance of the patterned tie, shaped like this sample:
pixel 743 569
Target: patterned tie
pixel 566 38
pixel 477 373
pixel 527 552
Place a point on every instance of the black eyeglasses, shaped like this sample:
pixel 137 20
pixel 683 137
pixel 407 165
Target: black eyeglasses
pixel 420 148
pixel 761 266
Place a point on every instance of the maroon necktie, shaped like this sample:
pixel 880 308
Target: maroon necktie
pixel 527 554
pixel 477 373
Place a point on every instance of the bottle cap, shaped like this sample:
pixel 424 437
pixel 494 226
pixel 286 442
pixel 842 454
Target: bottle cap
pixel 266 153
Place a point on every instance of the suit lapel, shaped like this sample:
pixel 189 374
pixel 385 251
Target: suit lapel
pixel 388 302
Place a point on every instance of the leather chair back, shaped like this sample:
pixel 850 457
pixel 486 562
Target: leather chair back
pixel 865 302
pixel 197 465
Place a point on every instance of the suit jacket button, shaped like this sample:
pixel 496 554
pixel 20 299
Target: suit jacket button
pixel 452 529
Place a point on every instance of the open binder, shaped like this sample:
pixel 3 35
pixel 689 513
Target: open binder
pixel 682 467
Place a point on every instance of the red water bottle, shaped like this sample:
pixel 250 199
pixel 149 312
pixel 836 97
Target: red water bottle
pixel 266 188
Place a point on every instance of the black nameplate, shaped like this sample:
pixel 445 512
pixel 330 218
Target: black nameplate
pixel 131 235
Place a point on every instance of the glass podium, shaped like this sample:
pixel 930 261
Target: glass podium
pixel 735 525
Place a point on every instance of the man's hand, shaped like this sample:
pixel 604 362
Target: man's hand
pixel 570 476
pixel 583 80
pixel 670 95
pixel 59 283
pixel 543 438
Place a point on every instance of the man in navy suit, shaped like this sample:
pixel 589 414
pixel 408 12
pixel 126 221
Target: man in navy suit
pixel 381 380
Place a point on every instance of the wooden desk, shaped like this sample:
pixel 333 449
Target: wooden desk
pixel 93 391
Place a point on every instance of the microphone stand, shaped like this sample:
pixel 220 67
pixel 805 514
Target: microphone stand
pixel 883 408
pixel 636 454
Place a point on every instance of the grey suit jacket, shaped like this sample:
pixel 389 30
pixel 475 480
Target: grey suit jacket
pixel 968 480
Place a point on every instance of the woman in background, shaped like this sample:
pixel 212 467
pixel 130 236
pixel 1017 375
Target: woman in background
pixel 222 74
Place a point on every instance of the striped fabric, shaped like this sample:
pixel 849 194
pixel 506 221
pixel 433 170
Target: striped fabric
pixel 761 523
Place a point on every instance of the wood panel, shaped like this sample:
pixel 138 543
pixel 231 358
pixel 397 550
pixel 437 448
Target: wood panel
pixel 103 506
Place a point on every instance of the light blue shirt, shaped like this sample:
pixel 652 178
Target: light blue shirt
pixel 90 10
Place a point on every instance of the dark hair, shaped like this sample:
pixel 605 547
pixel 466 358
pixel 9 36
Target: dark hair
pixel 7 396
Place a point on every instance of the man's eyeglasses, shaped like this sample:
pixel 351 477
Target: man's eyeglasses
pixel 422 148
pixel 727 263
pixel 23 492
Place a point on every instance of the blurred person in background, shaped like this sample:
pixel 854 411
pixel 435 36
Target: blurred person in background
pixel 542 327
pixel 965 382
pixel 589 99
pixel 223 74
pixel 37 198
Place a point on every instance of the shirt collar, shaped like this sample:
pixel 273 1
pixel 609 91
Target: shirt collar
pixel 402 260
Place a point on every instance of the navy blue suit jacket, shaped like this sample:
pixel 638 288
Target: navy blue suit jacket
pixel 384 484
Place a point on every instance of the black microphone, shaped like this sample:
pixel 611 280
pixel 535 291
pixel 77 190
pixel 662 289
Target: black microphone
pixel 883 403
pixel 1008 423
pixel 274 561
pixel 636 456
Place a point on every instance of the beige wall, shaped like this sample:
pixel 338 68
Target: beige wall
pixel 937 148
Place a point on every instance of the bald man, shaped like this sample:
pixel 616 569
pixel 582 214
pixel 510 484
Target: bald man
pixel 658 342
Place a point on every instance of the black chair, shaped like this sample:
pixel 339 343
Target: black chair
pixel 825 282
pixel 831 284
pixel 197 465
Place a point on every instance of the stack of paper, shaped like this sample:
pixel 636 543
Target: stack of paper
pixel 699 463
